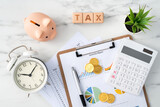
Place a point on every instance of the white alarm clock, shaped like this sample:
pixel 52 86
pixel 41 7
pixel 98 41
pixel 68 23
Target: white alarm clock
pixel 29 73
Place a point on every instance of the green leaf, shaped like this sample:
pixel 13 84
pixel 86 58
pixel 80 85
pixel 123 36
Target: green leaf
pixel 134 29
pixel 131 19
pixel 135 24
pixel 140 13
pixel 141 28
pixel 144 22
pixel 145 14
pixel 131 14
pixel 149 18
pixel 145 27
pixel 129 23
pixel 138 29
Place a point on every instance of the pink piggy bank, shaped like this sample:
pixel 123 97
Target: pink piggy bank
pixel 40 27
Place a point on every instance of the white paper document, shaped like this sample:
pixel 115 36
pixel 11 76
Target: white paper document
pixel 55 92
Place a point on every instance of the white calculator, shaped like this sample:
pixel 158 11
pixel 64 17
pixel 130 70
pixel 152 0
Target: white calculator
pixel 131 66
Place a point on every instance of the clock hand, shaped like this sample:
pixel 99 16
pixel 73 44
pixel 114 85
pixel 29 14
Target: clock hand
pixel 32 71
pixel 25 74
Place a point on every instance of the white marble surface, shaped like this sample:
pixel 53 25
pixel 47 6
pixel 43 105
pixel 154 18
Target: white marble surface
pixel 12 13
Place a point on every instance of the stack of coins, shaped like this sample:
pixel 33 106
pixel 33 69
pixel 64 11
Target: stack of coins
pixel 104 97
pixel 93 66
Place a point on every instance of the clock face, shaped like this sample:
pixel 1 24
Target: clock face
pixel 29 75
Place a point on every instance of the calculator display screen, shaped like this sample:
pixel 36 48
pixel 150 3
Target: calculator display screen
pixel 136 54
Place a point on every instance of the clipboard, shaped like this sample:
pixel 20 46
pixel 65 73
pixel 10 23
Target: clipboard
pixel 79 55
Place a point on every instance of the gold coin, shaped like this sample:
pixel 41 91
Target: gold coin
pixel 97 69
pixel 94 61
pixel 111 98
pixel 103 97
pixel 89 67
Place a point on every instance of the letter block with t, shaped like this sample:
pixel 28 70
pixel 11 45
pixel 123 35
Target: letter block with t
pixel 88 17
pixel 77 18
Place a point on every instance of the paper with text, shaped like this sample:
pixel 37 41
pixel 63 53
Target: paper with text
pixel 55 92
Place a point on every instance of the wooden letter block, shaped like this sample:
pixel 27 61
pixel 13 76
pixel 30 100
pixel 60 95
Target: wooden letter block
pixel 87 17
pixel 77 18
pixel 98 17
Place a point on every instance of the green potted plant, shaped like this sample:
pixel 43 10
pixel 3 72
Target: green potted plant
pixel 136 22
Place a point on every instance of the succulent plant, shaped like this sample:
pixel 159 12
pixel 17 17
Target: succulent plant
pixel 139 21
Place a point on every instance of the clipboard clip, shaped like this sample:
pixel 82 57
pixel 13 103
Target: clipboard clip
pixel 93 44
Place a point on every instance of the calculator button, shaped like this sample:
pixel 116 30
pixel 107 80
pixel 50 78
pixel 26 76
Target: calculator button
pixel 121 59
pixel 119 63
pixel 122 75
pixel 120 79
pixel 125 81
pixel 118 83
pixel 127 62
pixel 115 72
pixel 140 82
pixel 123 86
pixel 139 66
pixel 133 64
pixel 128 77
pixel 124 70
pixel 141 77
pixel 133 79
pixel 113 76
pixel 137 88
pixel 125 65
pixel 129 72
pixel 130 68
pixel 129 88
pixel 137 70
pixel 117 67
pixel 143 73
pixel 145 69
pixel 135 74
pixel 129 83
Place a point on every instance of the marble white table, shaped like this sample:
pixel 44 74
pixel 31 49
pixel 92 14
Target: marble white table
pixel 12 13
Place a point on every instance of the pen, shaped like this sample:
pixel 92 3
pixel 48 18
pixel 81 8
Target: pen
pixel 78 86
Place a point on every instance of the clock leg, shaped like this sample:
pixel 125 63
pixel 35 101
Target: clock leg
pixel 28 95
pixel 48 83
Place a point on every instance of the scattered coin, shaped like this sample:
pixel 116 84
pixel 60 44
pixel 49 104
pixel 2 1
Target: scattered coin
pixel 93 66
pixel 111 98
pixel 94 61
pixel 118 91
pixel 89 67
pixel 97 69
pixel 103 97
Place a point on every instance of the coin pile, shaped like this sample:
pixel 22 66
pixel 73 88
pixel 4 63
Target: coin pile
pixel 93 66
pixel 104 97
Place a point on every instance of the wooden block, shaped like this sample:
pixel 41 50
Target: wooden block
pixel 87 17
pixel 77 17
pixel 98 17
